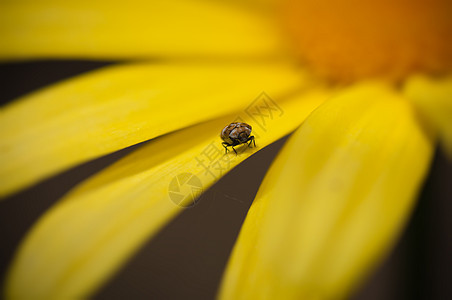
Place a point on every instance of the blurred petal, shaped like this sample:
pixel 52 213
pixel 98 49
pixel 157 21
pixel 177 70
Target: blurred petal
pixel 333 201
pixel 134 29
pixel 433 96
pixel 101 112
pixel 85 238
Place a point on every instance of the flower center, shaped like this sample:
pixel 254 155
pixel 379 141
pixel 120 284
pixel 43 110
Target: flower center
pixel 346 40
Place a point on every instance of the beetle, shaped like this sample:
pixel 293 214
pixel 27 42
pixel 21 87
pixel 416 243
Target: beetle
pixel 235 134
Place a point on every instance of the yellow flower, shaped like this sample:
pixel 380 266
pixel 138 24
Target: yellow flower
pixel 367 80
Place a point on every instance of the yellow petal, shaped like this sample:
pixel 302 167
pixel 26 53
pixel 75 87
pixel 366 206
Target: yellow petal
pixel 333 201
pixel 112 29
pixel 110 109
pixel 433 97
pixel 87 236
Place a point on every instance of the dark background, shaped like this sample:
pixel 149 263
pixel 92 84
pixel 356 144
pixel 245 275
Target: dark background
pixel 186 259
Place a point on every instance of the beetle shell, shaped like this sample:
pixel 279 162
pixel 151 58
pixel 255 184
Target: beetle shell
pixel 236 133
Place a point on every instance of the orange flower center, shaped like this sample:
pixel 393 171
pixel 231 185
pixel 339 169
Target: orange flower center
pixel 346 40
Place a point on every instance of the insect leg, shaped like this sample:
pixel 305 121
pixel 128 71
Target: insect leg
pixel 225 145
pixel 251 140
